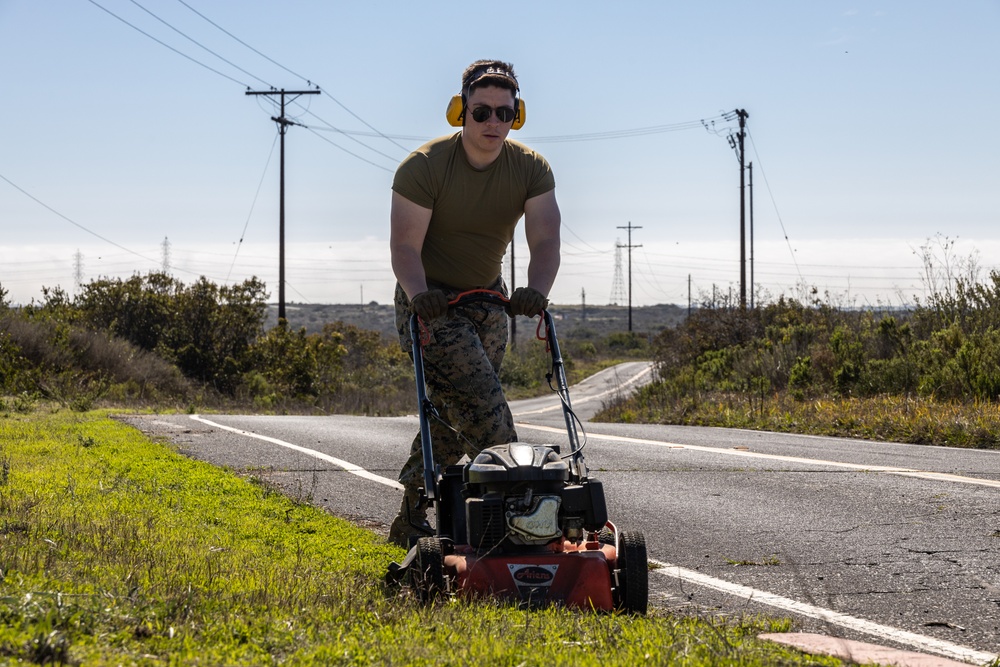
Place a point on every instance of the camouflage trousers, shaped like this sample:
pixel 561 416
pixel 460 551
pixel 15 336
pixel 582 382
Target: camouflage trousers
pixel 462 355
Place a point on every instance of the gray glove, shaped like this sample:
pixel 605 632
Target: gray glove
pixel 429 305
pixel 527 301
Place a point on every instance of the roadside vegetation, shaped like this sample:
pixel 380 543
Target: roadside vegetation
pixel 114 550
pixel 928 374
pixel 153 342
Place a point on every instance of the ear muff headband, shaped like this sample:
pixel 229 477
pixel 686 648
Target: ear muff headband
pixel 456 107
pixel 456 112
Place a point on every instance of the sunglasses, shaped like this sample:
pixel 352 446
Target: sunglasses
pixel 482 114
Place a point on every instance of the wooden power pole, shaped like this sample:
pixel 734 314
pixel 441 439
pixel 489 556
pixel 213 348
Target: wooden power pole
pixel 630 227
pixel 737 145
pixel 283 124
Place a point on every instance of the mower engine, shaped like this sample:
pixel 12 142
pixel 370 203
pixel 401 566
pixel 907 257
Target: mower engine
pixel 520 495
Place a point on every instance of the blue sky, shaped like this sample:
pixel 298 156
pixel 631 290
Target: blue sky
pixel 870 129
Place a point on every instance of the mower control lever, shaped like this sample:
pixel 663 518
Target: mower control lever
pixel 481 296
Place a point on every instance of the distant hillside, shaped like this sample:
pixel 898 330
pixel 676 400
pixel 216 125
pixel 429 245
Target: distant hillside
pixel 597 321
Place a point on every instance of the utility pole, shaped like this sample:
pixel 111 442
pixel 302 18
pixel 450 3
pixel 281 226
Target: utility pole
pixel 629 227
pixel 737 145
pixel 750 169
pixel 283 124
pixel 583 304
pixel 689 295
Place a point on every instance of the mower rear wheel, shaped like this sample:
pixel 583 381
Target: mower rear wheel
pixel 427 571
pixel 632 594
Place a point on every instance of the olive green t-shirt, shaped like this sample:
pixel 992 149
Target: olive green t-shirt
pixel 474 211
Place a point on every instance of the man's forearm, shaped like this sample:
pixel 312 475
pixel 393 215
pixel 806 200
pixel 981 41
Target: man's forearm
pixel 409 271
pixel 543 266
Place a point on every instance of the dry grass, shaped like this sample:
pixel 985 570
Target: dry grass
pixel 910 419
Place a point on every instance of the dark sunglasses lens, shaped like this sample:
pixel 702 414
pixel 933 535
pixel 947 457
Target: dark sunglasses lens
pixel 482 114
pixel 505 114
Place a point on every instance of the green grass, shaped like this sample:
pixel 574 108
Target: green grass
pixel 114 550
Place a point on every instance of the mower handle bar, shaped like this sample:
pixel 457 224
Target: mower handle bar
pixel 484 296
pixel 481 296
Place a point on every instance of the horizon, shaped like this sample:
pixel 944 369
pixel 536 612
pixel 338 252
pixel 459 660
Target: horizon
pixel 133 128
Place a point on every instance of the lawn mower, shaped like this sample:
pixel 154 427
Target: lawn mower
pixel 521 522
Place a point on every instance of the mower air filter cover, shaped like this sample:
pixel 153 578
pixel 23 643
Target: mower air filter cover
pixel 517 462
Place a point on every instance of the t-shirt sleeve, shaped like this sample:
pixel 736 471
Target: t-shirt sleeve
pixel 413 180
pixel 542 178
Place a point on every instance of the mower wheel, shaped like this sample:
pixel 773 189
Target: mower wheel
pixel 632 594
pixel 427 571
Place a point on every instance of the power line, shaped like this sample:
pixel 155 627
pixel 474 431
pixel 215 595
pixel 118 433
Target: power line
pixel 262 55
pixel 621 134
pixel 773 202
pixel 253 205
pixel 351 153
pixel 197 43
pixel 162 43
pixel 592 248
pixel 366 124
pixel 180 32
pixel 334 129
pixel 309 82
pixel 72 222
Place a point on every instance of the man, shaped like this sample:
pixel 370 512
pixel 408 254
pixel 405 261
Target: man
pixel 455 204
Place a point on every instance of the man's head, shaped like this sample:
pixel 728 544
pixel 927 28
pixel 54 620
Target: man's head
pixel 489 73
pixel 492 75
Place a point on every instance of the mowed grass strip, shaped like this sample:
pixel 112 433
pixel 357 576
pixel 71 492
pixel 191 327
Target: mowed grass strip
pixel 116 550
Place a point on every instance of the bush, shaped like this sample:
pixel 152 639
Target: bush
pixel 204 329
pixel 813 350
pixel 77 366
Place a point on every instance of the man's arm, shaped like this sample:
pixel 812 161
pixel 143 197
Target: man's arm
pixel 408 227
pixel 541 227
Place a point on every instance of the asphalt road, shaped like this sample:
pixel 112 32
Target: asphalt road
pixel 892 543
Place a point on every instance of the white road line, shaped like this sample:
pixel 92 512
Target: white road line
pixel 587 399
pixel 920 642
pixel 666 569
pixel 346 465
pixel 890 470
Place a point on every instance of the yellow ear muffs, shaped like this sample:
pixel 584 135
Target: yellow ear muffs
pixel 519 116
pixel 456 113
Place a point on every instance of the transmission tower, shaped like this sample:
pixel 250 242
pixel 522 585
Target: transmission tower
pixel 78 269
pixel 166 254
pixel 618 286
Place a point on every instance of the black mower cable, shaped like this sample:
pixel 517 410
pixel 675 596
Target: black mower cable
pixel 569 409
